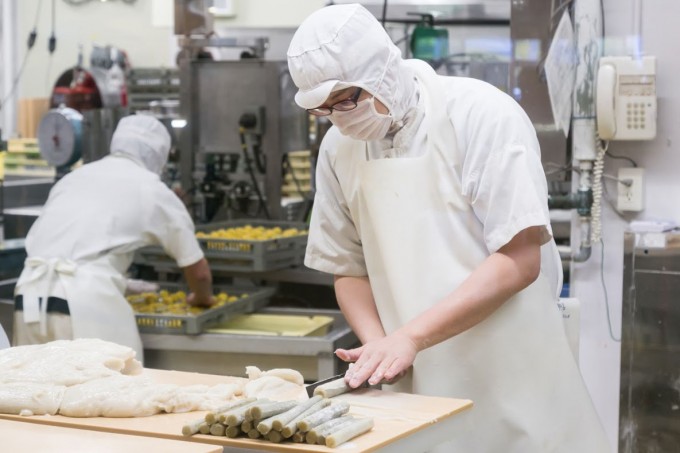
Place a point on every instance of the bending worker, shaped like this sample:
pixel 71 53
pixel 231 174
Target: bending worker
pixel 431 212
pixel 83 242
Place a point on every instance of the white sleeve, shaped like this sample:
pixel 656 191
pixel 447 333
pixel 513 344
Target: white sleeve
pixel 172 228
pixel 502 173
pixel 333 245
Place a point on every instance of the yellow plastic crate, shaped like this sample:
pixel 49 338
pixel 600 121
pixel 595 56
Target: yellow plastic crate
pixel 19 160
pixel 249 300
pixel 301 179
pixel 23 145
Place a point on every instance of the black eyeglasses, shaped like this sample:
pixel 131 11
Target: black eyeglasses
pixel 342 106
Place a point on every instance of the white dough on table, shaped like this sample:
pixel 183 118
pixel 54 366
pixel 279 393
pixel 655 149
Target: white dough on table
pixel 90 378
pixel 38 399
pixel 66 362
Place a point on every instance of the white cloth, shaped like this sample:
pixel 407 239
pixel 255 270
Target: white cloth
pixel 500 170
pixel 362 123
pixel 58 328
pixel 42 270
pixel 95 218
pixel 112 206
pixel 340 46
pixel 144 139
pixel 133 286
pixel 419 236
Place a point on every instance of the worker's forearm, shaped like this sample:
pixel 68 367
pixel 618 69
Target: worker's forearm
pixel 199 279
pixel 497 279
pixel 355 299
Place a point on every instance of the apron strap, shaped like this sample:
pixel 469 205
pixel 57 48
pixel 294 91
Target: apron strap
pixel 41 267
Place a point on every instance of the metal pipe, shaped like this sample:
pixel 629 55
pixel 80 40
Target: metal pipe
pixel 588 31
pixel 581 200
pixel 585 247
pixel 637 28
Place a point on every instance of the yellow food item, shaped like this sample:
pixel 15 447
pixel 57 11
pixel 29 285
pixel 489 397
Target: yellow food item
pixel 251 233
pixel 165 302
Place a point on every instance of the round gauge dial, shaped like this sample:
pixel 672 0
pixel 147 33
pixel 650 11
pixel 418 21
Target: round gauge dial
pixel 59 136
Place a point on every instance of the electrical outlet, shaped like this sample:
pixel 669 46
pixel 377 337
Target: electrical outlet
pixel 631 197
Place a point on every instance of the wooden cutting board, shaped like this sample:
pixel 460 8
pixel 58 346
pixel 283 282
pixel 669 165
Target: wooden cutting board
pixel 30 437
pixel 396 416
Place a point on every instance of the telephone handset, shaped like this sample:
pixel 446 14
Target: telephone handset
pixel 626 98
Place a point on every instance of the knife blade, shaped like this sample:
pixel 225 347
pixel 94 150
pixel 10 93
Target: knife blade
pixel 311 387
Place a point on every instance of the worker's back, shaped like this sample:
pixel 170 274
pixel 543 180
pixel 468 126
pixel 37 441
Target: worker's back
pixel 110 206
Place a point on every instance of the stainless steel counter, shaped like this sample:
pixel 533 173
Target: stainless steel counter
pixel 649 415
pixel 22 200
pixel 227 354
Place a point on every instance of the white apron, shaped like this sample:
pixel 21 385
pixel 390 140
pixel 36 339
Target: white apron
pixel 421 240
pixel 95 294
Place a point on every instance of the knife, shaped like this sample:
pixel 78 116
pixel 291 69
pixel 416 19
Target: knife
pixel 311 387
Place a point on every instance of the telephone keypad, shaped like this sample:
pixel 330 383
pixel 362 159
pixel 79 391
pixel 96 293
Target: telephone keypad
pixel 635 115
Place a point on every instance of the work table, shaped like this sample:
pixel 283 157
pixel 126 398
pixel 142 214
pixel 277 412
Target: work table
pixel 403 422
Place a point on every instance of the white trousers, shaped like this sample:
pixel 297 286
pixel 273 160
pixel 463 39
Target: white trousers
pixel 58 328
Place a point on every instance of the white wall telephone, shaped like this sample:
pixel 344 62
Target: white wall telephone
pixel 626 98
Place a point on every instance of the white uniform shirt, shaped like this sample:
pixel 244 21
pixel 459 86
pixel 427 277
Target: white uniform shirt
pixel 112 206
pixel 502 178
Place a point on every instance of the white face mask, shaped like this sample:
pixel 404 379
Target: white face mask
pixel 362 123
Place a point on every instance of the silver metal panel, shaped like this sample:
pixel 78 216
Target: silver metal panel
pixel 214 95
pixel 225 91
pixel 146 85
pixel 98 127
pixel 24 191
pixel 649 408
pixel 294 120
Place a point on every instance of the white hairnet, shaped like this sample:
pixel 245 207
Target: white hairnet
pixel 344 45
pixel 144 139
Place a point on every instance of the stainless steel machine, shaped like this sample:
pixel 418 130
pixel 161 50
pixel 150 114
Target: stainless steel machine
pixel 241 121
pixel 649 411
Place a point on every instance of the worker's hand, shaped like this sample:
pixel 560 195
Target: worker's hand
pixel 201 302
pixel 384 360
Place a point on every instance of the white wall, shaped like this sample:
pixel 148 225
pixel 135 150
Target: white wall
pixel 270 13
pixel 599 354
pixel 115 23
pixel 143 30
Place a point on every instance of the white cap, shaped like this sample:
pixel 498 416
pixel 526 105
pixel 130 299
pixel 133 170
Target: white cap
pixel 346 45
pixel 144 139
